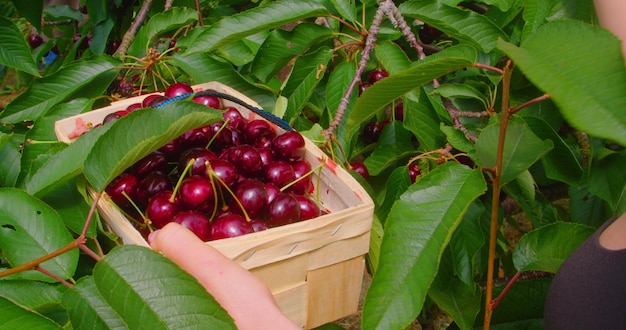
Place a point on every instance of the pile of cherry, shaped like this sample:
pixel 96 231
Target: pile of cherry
pixel 226 179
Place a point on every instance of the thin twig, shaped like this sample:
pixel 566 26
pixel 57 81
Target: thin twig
pixel 488 67
pixel 53 275
pixel 531 102
pixel 199 10
pixel 369 45
pixel 129 36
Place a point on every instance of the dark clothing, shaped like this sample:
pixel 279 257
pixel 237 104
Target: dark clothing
pixel 589 290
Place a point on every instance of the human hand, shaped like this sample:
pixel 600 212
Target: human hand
pixel 248 300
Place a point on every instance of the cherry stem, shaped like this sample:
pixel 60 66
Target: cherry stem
pixel 217 133
pixel 180 179
pixel 285 187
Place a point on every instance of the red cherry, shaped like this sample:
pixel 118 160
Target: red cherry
pixel 414 171
pixel 199 156
pixel 360 168
pixel 34 40
pixel 195 221
pixel 257 128
pixel 152 184
pixel 177 89
pixel 133 107
pixel 145 103
pixel 279 173
pixel 209 101
pixel 235 118
pixel 155 161
pixel 283 210
pixel 252 195
pixel 301 171
pixel 289 146
pixel 230 225
pixel 197 191
pixel 161 208
pixel 377 75
pixel 247 160
pixel 309 209
pixel 258 225
pixel 123 190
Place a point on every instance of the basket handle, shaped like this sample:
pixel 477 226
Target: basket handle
pixel 210 92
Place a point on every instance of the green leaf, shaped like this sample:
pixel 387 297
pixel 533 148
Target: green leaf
pixel 376 237
pixel 41 150
pixel 535 14
pixel 11 156
pixel 393 145
pixel 203 68
pixel 158 24
pixel 13 316
pixel 465 25
pixel 64 165
pixel 607 178
pixel 307 72
pixel 466 243
pixel 263 18
pixel 459 301
pixel 336 87
pixel 281 46
pixel 63 12
pixel 522 148
pixel 590 94
pixel 31 10
pixel 422 119
pixel 163 298
pixel 392 57
pixel 4 138
pixel 30 229
pixel 546 248
pixel 138 134
pixel 46 92
pixel 460 91
pixel 561 162
pixel 87 309
pixel 386 90
pixel 346 9
pixel 528 293
pixel 15 52
pixel 417 231
pixel 39 297
pixel 397 183
pixel 72 207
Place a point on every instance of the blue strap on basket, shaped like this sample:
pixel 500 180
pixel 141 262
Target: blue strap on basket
pixel 266 115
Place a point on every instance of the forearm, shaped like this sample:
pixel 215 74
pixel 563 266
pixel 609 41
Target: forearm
pixel 611 14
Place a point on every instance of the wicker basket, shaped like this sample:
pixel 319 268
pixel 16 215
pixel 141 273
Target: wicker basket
pixel 314 268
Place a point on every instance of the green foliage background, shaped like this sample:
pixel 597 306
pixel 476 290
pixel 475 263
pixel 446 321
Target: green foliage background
pixel 563 157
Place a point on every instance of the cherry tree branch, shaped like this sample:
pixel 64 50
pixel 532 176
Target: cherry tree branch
pixel 129 36
pixel 369 45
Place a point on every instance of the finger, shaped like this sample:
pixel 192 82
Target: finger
pixel 243 295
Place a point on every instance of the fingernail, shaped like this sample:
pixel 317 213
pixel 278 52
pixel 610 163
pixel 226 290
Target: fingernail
pixel 152 235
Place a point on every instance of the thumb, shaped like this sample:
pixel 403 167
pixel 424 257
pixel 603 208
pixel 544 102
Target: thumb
pixel 244 296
